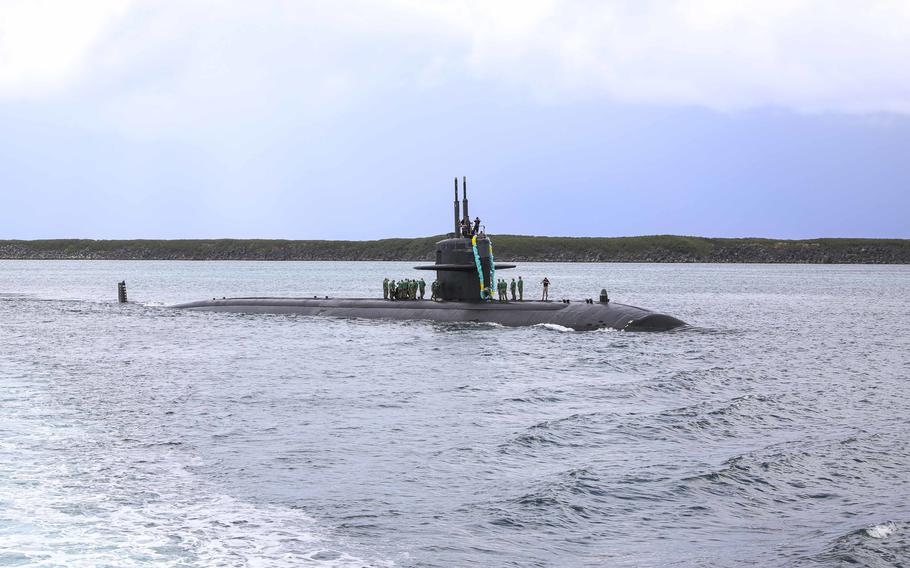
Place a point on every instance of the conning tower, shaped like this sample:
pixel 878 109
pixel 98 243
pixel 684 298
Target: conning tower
pixel 465 264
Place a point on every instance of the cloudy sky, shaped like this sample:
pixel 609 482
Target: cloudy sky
pixel 349 119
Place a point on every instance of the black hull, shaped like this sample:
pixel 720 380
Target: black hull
pixel 577 316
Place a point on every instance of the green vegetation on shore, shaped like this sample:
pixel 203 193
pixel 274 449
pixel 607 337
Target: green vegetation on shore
pixel 660 248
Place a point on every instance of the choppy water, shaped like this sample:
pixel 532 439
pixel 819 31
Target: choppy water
pixel 773 433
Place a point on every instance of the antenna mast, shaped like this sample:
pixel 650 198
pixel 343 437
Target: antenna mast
pixel 464 189
pixel 457 214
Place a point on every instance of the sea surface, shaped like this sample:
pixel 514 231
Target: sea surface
pixel 774 431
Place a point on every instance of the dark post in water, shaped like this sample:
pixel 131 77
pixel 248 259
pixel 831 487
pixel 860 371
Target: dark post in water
pixel 121 291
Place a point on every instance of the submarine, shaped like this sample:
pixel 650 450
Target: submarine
pixel 465 269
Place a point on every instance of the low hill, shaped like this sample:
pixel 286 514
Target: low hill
pixel 660 248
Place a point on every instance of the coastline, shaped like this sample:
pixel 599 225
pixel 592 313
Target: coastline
pixel 517 248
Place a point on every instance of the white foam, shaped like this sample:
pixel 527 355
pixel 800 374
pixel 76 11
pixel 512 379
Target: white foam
pixel 554 327
pixel 881 531
pixel 115 508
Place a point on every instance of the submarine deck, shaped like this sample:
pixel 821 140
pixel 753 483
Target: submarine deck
pixel 576 315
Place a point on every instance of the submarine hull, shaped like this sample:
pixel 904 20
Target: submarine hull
pixel 577 316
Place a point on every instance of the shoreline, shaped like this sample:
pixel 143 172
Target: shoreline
pixel 514 248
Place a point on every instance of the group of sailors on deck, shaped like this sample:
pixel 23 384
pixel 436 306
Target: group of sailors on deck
pixel 406 289
pixel 503 288
pixel 410 289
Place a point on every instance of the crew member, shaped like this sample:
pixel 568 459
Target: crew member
pixel 476 225
pixel 392 290
pixel 546 289
pixel 385 288
pixel 521 289
pixel 513 286
pixel 434 290
pixel 423 287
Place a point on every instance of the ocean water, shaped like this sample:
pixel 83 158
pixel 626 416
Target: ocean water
pixel 772 432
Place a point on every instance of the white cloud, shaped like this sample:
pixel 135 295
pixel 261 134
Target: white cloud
pixel 799 54
pixel 162 63
pixel 44 44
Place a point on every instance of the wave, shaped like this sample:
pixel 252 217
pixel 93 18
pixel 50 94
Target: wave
pixel 881 531
pixel 881 544
pixel 566 499
pixel 573 431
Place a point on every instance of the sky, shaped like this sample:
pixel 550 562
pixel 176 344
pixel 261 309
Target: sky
pixel 350 119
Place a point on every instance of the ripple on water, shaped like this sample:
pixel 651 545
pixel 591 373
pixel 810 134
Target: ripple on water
pixel 771 432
